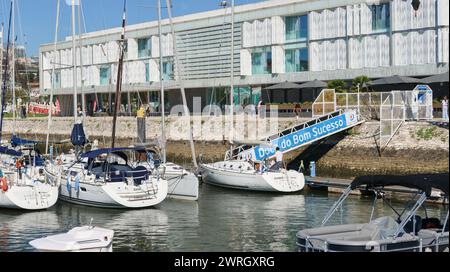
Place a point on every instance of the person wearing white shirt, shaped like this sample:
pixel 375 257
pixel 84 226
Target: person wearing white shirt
pixel 278 160
pixel 445 108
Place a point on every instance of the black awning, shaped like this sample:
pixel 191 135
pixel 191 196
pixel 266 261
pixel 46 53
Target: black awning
pixel 423 182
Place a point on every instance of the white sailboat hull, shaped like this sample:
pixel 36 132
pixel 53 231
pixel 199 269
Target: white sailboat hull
pixel 29 197
pixel 114 194
pixel 182 184
pixel 285 182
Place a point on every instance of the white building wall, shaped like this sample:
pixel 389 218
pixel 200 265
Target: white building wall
pixel 415 39
pixel 246 62
pixel 278 59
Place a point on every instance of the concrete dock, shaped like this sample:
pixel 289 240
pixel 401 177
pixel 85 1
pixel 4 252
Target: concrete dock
pixel 336 185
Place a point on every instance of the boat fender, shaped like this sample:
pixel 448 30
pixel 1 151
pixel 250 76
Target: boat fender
pixel 77 184
pixel 69 186
pixel 4 184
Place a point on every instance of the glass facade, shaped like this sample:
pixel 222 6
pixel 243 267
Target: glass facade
pixel 168 69
pixel 57 80
pixel 381 17
pixel 217 96
pixel 262 61
pixel 296 27
pixel 144 48
pixel 296 60
pixel 105 75
pixel 147 72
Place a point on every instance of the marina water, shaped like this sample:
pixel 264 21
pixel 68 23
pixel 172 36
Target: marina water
pixel 222 220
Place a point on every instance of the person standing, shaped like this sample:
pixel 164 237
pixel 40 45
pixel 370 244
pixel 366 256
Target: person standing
pixel 259 108
pixel 297 110
pixel 445 108
pixel 278 160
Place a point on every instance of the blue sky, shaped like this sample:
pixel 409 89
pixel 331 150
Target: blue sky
pixel 35 20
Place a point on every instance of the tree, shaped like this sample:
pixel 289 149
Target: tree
pixel 337 84
pixel 359 80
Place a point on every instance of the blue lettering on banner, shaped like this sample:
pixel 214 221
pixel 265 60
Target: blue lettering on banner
pixel 302 137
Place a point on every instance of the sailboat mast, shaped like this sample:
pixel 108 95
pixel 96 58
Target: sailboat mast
pixel 5 75
pixel 83 98
pixel 50 111
pixel 13 66
pixel 161 80
pixel 74 62
pixel 119 75
pixel 181 82
pixel 232 74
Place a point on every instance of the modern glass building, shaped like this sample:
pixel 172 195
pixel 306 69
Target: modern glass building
pixel 275 41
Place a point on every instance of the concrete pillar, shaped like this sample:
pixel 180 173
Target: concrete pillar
pixel 129 103
pixel 141 130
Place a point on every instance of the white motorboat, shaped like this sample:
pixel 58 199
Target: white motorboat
pixel 408 232
pixel 79 239
pixel 104 178
pixel 242 174
pixel 27 190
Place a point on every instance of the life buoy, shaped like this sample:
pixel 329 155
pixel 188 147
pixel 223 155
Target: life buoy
pixel 4 184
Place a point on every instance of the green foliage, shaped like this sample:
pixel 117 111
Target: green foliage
pixel 427 133
pixel 336 84
pixel 359 80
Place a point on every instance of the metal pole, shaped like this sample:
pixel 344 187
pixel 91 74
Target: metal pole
pixel 5 74
pixel 232 74
pixel 161 80
pixel 179 78
pixel 74 63
pixel 83 98
pixel 13 66
pixel 50 111
pixel 119 76
pixel 1 54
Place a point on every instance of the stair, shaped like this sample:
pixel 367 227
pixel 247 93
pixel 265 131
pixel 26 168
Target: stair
pixel 299 135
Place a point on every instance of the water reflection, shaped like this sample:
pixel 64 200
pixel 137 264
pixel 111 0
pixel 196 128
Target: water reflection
pixel 222 220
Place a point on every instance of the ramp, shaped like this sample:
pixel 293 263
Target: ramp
pixel 298 135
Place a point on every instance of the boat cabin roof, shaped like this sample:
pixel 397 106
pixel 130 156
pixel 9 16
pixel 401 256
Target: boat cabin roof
pixel 119 151
pixel 8 151
pixel 424 182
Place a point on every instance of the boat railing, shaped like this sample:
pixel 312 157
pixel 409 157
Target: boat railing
pixel 323 245
pixel 309 245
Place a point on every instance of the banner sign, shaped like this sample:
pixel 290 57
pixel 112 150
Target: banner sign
pixel 305 136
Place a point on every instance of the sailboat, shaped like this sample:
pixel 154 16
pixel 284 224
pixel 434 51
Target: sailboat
pixel 23 184
pixel 182 183
pixel 107 177
pixel 241 172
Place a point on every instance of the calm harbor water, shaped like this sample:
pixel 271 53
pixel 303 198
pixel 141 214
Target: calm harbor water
pixel 222 220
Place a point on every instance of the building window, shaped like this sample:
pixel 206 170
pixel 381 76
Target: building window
pixel 125 49
pixel 296 60
pixel 105 75
pixel 381 17
pixel 147 72
pixel 296 27
pixel 168 69
pixel 57 80
pixel 262 61
pixel 144 48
